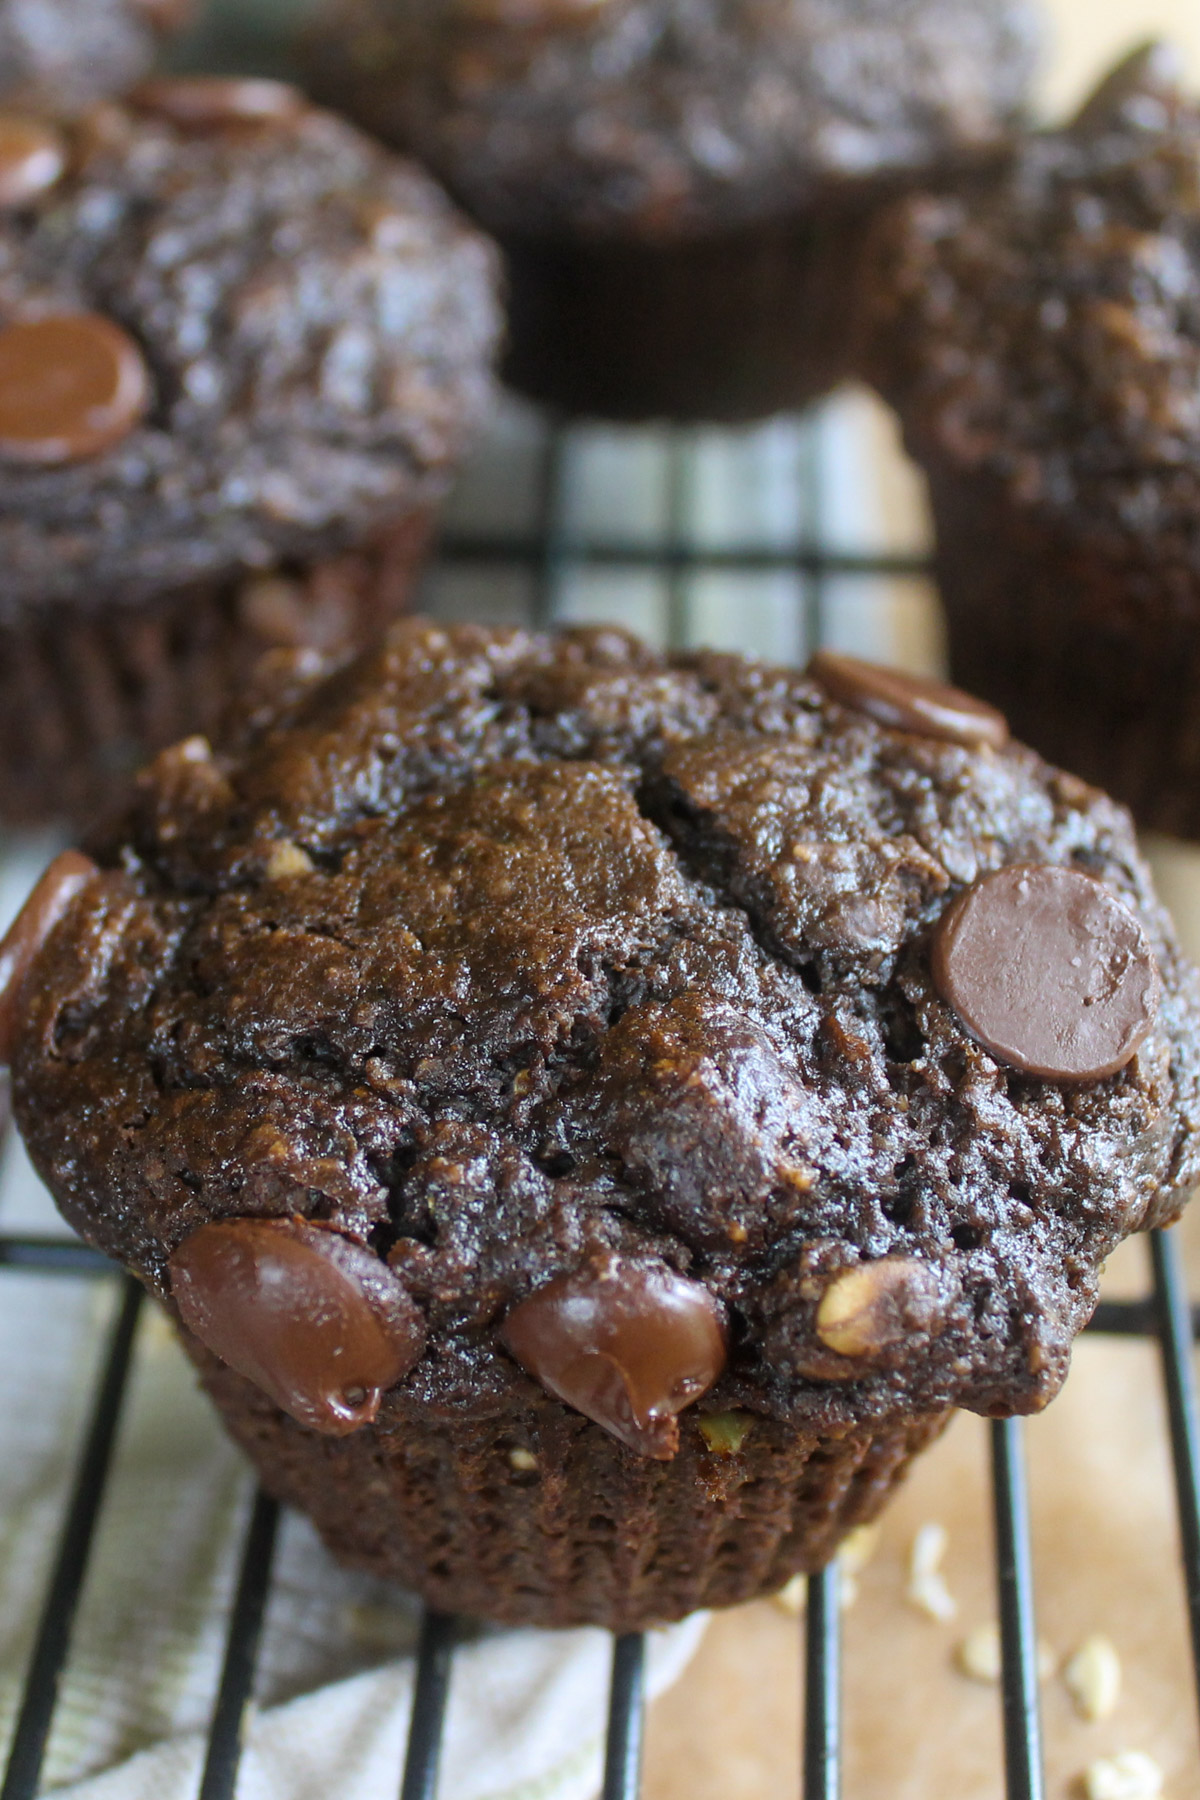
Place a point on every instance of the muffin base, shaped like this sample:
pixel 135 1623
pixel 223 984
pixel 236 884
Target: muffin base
pixel 593 1534
pixel 1090 646
pixel 87 694
pixel 726 329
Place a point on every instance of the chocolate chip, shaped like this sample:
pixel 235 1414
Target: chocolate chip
pixel 909 702
pixel 628 1344
pixel 45 906
pixel 213 102
pixel 32 158
pixel 314 1319
pixel 1049 971
pixel 70 387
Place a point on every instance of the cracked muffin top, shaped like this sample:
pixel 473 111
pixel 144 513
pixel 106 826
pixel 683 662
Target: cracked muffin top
pixel 518 982
pixel 235 332
pixel 668 118
pixel 60 56
pixel 1041 328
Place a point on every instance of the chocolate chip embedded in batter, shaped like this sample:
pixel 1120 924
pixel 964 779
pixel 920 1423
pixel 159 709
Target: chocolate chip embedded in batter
pixel 1049 971
pixel 70 387
pixel 909 702
pixel 628 1344
pixel 65 877
pixel 314 1319
pixel 213 102
pixel 33 156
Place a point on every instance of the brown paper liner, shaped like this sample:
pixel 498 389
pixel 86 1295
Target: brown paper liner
pixel 730 328
pixel 88 694
pixel 1091 647
pixel 594 1534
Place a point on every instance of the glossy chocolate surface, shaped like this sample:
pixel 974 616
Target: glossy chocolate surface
pixel 32 157
pixel 1048 970
pixel 629 1344
pixel 211 102
pixel 909 702
pixel 312 1318
pixel 54 892
pixel 70 386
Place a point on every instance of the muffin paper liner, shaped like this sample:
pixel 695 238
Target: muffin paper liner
pixel 730 328
pixel 87 694
pixel 592 1534
pixel 1091 647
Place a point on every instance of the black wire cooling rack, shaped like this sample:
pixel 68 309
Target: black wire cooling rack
pixel 536 561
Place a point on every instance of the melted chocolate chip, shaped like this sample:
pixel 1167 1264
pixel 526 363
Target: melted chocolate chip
pixel 211 102
pixel 312 1318
pixel 70 387
pixel 909 702
pixel 45 906
pixel 628 1344
pixel 1049 971
pixel 32 158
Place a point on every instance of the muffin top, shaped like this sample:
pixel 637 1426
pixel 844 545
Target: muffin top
pixel 235 332
pixel 1042 328
pixel 669 118
pixel 62 55
pixel 528 980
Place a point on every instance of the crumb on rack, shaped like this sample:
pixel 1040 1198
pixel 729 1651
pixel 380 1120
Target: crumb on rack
pixel 1093 1677
pixel 1130 1775
pixel 979 1655
pixel 927 1588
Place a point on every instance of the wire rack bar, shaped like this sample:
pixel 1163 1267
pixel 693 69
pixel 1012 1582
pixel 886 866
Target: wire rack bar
pixel 53 1256
pixel 626 1719
pixel 422 1761
pixel 1179 1377
pixel 40 1697
pixel 1018 1632
pixel 747 559
pixel 226 1739
pixel 822 1760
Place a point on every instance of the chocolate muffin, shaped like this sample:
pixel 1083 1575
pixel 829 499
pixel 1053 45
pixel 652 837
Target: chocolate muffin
pixel 680 185
pixel 593 1115
pixel 1040 337
pixel 60 56
pixel 241 351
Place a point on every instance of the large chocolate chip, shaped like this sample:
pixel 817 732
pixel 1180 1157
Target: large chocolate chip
pixel 313 1318
pixel 213 102
pixel 32 157
pixel 45 906
pixel 628 1344
pixel 70 386
pixel 909 702
pixel 1049 971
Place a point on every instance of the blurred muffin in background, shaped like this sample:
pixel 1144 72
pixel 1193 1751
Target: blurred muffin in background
pixel 1040 337
pixel 243 348
pixel 62 55
pixel 680 185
